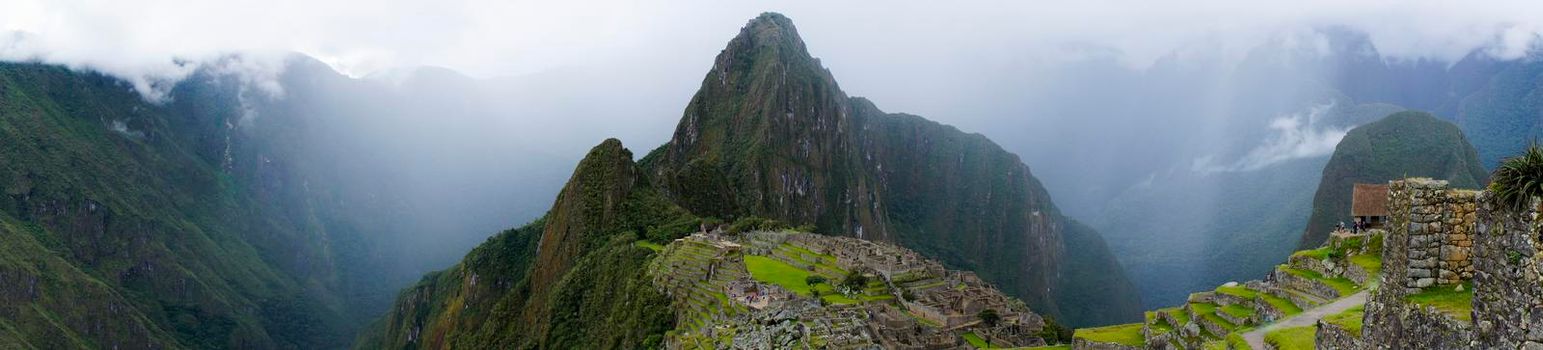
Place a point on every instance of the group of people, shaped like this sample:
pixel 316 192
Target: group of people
pixel 1355 227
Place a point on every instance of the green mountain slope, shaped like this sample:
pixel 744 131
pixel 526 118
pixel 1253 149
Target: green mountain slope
pixel 574 279
pixel 133 225
pixel 771 134
pixel 1404 144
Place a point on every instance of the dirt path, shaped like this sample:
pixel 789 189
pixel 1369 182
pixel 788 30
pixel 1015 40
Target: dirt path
pixel 1309 317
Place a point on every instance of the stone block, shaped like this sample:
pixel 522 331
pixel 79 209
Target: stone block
pixel 1424 282
pixel 1419 273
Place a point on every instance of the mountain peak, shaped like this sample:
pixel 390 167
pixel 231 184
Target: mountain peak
pixel 772 32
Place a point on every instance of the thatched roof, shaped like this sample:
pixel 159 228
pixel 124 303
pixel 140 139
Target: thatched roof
pixel 1369 200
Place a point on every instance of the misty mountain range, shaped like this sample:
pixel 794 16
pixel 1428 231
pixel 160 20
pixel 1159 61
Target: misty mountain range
pixel 234 214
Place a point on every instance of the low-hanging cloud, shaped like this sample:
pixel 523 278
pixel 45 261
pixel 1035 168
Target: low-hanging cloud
pixel 1294 136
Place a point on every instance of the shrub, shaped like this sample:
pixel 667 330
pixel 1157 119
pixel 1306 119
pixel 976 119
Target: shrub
pixel 989 317
pixel 814 279
pixel 1519 178
pixel 855 280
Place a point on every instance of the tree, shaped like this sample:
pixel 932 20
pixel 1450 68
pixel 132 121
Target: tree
pixel 1055 333
pixel 989 317
pixel 814 279
pixel 854 280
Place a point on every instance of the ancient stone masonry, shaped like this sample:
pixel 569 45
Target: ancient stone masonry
pixel 1508 285
pixel 1427 243
pixel 1431 234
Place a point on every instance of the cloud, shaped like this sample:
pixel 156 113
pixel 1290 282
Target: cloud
pixel 1295 136
pixel 152 43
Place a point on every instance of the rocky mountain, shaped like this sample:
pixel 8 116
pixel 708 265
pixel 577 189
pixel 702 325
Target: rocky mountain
pixel 134 225
pixel 610 267
pixel 771 134
pixel 1404 144
pixel 573 279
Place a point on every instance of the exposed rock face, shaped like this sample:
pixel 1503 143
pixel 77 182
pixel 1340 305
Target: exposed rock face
pixel 1508 284
pixel 771 134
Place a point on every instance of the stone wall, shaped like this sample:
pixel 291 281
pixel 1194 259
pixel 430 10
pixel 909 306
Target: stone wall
pixel 1396 324
pixel 1333 337
pixel 1430 235
pixel 1508 289
pixel 1425 220
pixel 1084 344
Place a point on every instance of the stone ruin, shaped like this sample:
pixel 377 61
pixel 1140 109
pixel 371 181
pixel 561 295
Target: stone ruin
pixel 1508 282
pixel 1439 238
pixel 1430 239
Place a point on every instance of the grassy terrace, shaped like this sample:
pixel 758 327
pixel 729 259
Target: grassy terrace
pixel 1369 262
pixel 1341 284
pixel 1049 347
pixel 1299 338
pixel 976 341
pixel 1127 334
pixel 1320 253
pixel 771 270
pixel 1446 299
pixel 1282 304
pixel 1178 314
pixel 1238 311
pixel 656 247
pixel 1236 342
pixel 1350 319
pixel 1237 291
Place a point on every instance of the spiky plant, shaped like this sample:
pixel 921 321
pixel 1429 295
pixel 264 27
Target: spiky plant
pixel 1519 178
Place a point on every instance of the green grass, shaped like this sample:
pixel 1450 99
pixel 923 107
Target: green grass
pixel 976 341
pixel 1350 319
pixel 771 270
pixel 1049 347
pixel 1320 253
pixel 1284 305
pixel 1299 338
pixel 1218 320
pixel 1238 311
pixel 1236 342
pixel 656 247
pixel 1203 308
pixel 1237 291
pixel 1344 286
pixel 1372 263
pixel 1127 334
pixel 1178 315
pixel 782 274
pixel 1160 326
pixel 1445 299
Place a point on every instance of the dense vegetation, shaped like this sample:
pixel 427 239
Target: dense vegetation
pixel 135 225
pixel 770 134
pixel 575 279
pixel 1519 178
pixel 1404 144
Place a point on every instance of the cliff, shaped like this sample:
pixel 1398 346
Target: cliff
pixel 771 134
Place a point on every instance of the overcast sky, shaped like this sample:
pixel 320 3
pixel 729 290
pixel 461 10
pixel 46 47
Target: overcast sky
pixel 857 39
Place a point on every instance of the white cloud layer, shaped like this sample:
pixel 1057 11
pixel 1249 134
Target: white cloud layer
pixel 1294 136
pixel 153 42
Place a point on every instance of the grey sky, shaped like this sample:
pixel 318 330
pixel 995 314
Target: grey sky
pixel 857 39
